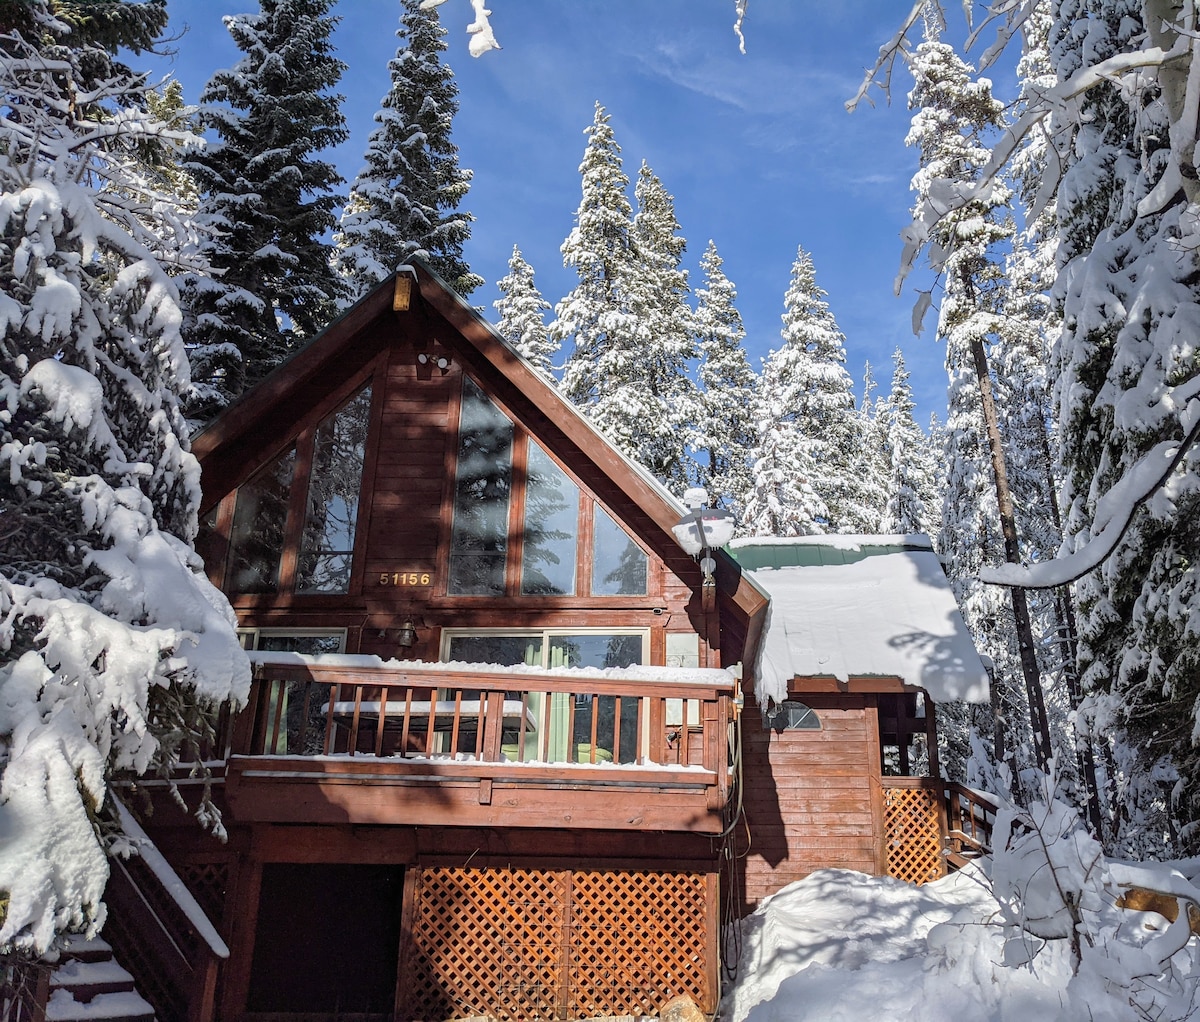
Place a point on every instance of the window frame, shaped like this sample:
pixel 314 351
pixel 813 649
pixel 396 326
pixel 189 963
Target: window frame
pixel 303 441
pixel 253 633
pixel 545 634
pixel 515 544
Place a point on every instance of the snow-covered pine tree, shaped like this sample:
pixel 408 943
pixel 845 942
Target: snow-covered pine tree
pixel 810 367
pixel 910 470
pixel 659 399
pixel 1124 365
pixel 522 311
pixel 953 113
pixel 267 198
pixel 113 645
pixel 627 366
pixel 871 461
pixel 781 500
pixel 725 433
pixel 594 317
pixel 405 199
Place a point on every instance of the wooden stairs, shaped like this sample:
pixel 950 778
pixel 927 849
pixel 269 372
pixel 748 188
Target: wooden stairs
pixel 89 984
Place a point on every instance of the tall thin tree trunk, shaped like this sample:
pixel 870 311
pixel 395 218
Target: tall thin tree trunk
pixel 1008 528
pixel 1064 614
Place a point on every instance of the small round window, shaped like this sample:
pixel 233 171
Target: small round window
pixel 791 715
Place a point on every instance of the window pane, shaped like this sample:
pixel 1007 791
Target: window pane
pixel 327 544
pixel 311 644
pixel 618 563
pixel 551 527
pixel 595 649
pixel 259 521
pixel 482 485
pixel 506 650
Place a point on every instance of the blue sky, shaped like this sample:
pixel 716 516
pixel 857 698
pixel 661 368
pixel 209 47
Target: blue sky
pixel 757 149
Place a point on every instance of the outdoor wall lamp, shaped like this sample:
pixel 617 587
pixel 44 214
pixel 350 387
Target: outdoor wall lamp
pixel 407 636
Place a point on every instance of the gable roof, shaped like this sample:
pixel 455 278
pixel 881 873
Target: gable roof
pixel 265 419
pixel 861 607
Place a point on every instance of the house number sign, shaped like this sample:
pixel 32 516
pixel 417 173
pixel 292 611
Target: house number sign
pixel 405 578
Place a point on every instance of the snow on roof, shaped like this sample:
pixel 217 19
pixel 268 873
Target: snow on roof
pixel 863 606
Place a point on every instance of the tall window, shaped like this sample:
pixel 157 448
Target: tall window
pixel 518 519
pixel 267 523
pixel 331 513
pixel 482 487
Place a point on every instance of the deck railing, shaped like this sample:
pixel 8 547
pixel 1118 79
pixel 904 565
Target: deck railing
pixel 494 717
pixel 932 825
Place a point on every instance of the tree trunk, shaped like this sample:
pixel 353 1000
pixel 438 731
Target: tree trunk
pixel 1008 528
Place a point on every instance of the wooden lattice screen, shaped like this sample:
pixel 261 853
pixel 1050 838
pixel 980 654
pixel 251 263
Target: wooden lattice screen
pixel 913 833
pixel 554 944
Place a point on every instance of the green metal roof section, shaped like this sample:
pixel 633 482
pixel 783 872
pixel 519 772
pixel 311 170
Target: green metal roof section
pixel 754 556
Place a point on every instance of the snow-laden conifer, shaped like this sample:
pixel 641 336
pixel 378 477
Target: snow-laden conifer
pixel 810 367
pixel 267 198
pixel 911 489
pixel 952 115
pixel 725 433
pixel 112 641
pixel 628 318
pixel 522 311
pixel 782 500
pixel 594 318
pixel 405 199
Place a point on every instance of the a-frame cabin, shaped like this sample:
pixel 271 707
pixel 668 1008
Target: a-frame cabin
pixel 490 764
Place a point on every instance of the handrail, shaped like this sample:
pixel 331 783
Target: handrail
pixel 171 882
pixel 490 717
pixel 970 814
pixel 160 932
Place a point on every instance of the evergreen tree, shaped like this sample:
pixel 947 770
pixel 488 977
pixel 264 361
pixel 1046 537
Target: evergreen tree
pixel 112 642
pixel 628 316
pixel 725 432
pixel 405 200
pixel 1127 285
pixel 872 460
pixel 953 113
pixel 909 473
pixel 660 401
pixel 522 312
pixel 594 315
pixel 810 366
pixel 266 197
pixel 782 500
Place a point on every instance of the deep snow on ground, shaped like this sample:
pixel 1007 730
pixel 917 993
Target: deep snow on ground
pixel 841 946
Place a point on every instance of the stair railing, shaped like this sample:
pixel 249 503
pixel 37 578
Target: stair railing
pixel 160 933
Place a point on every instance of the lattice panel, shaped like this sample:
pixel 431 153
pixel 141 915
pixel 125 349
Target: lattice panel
pixel 529 944
pixel 914 839
pixel 486 942
pixel 208 883
pixel 637 940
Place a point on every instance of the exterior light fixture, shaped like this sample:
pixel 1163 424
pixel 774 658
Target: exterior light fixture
pixel 703 530
pixel 407 636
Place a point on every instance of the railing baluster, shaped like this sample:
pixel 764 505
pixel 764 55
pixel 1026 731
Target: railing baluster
pixel 408 693
pixel 616 749
pixel 333 692
pixel 523 727
pixel 571 727
pixel 595 723
pixel 385 693
pixel 352 746
pixel 280 689
pixel 302 738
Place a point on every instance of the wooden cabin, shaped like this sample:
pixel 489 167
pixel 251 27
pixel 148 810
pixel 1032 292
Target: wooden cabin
pixel 495 761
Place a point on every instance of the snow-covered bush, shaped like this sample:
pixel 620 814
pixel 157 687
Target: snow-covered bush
pixel 113 645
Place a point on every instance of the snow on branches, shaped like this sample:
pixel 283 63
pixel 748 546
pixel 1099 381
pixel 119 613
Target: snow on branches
pixel 112 641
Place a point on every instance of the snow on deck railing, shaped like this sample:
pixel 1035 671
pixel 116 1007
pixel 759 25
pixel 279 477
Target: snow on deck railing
pixel 172 884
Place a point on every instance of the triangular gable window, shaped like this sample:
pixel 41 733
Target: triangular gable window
pixel 521 525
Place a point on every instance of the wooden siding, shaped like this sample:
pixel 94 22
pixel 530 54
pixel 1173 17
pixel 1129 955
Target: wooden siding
pixel 812 798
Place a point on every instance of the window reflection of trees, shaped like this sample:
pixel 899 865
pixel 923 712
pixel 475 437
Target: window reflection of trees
pixel 259 527
pixel 331 513
pixel 482 487
pixel 551 525
pixel 618 563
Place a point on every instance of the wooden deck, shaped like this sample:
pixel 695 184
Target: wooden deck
pixel 376 745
